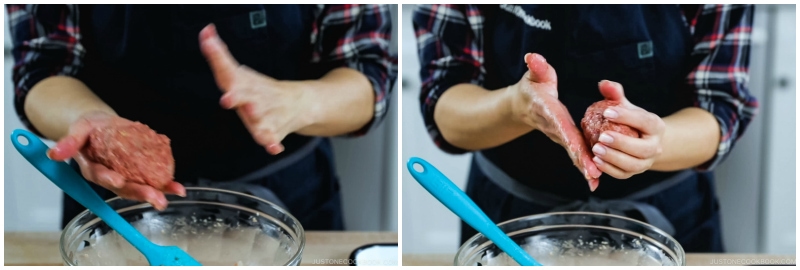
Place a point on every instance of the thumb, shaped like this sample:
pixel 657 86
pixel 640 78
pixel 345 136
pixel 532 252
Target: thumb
pixel 612 91
pixel 222 63
pixel 540 70
pixel 71 144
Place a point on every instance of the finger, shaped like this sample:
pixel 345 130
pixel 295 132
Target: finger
pixel 250 115
pixel 107 178
pixel 66 148
pixel 250 111
pixel 84 165
pixel 593 184
pixel 275 148
pixel 111 180
pixel 611 170
pixel 138 192
pixel 573 139
pixel 250 124
pixel 71 144
pixel 222 63
pixel 540 70
pixel 262 136
pixel 99 174
pixel 644 121
pixel 269 138
pixel 624 162
pixel 591 172
pixel 612 91
pixel 232 100
pixel 175 188
pixel 636 147
pixel 580 154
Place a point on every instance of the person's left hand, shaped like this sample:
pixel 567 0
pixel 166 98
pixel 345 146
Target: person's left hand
pixel 270 109
pixel 623 156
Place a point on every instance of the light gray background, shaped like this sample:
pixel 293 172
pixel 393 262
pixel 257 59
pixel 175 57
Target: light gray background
pixel 756 185
pixel 367 169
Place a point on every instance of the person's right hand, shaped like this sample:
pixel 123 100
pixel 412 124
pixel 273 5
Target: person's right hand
pixel 71 146
pixel 535 102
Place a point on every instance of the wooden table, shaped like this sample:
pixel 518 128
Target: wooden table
pixel 692 259
pixel 322 248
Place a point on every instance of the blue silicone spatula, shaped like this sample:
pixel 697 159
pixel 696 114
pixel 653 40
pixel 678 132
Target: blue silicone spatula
pixel 459 203
pixel 72 183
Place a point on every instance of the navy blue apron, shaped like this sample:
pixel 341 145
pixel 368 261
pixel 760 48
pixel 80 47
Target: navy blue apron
pixel 643 47
pixel 145 62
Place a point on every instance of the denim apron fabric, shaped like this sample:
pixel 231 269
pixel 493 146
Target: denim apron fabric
pixel 643 47
pixel 145 62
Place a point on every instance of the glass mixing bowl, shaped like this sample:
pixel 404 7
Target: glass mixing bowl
pixel 577 238
pixel 216 227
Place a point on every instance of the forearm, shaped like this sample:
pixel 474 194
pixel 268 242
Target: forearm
pixel 341 102
pixel 54 103
pixel 473 118
pixel 690 139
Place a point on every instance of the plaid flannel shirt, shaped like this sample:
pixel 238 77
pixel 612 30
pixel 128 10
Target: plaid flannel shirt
pixel 450 44
pixel 47 42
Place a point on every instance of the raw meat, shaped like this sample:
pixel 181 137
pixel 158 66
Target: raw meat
pixel 594 123
pixel 133 150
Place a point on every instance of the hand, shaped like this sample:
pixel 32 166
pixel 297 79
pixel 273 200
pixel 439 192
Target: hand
pixel 623 156
pixel 535 102
pixel 71 145
pixel 270 109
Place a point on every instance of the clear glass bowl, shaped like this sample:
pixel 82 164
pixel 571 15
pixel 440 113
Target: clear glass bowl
pixel 216 227
pixel 577 238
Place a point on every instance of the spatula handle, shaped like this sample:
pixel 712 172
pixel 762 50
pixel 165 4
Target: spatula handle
pixel 72 183
pixel 459 203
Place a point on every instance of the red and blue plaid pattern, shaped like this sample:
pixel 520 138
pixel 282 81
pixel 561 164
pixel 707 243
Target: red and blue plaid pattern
pixel 47 42
pixel 450 44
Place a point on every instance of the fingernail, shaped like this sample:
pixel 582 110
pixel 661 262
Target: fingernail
pixel 599 150
pixel 224 101
pixel 117 183
pixel 604 138
pixel 162 204
pixel 611 114
pixel 593 184
pixel 534 64
pixel 539 57
pixel 152 202
pixel 597 161
pixel 275 148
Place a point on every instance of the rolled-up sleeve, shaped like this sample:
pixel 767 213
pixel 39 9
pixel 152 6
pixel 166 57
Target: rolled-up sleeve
pixel 449 43
pixel 46 40
pixel 358 37
pixel 722 49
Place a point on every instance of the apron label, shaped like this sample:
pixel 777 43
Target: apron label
pixel 258 19
pixel 528 19
pixel 645 49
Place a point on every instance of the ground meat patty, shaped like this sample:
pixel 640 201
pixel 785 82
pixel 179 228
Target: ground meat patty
pixel 133 150
pixel 593 123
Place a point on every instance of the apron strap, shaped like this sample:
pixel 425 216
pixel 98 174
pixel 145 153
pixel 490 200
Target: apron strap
pixel 514 187
pixel 620 207
pixel 246 188
pixel 245 183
